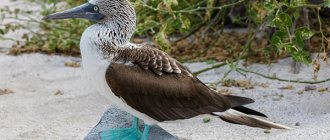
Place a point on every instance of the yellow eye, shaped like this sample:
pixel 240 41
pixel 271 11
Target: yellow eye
pixel 96 8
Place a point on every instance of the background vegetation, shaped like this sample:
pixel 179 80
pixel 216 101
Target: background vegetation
pixel 194 30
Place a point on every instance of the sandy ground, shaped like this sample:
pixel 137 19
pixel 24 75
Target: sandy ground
pixel 47 100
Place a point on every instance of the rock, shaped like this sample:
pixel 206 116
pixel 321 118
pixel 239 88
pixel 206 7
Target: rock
pixel 206 119
pixel 323 90
pixel 267 131
pixel 310 87
pixel 301 92
pixel 288 87
pixel 5 91
pixel 115 118
pixel 58 92
pixel 264 85
pixel 72 64
pixel 245 84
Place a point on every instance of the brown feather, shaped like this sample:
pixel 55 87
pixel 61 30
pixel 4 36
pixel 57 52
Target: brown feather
pixel 166 97
pixel 147 58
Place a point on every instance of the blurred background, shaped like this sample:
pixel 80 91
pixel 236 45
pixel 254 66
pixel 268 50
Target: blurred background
pixel 190 30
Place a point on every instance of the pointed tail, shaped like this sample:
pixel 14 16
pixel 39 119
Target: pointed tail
pixel 238 117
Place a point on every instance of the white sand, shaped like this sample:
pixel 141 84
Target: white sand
pixel 33 111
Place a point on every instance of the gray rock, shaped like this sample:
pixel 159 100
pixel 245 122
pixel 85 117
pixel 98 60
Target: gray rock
pixel 115 118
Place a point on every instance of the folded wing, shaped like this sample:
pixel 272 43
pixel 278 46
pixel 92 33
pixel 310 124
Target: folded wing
pixel 162 88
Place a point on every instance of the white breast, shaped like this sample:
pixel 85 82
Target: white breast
pixel 95 67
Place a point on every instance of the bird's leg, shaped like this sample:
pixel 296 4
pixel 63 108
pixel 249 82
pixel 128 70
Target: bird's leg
pixel 145 133
pixel 132 133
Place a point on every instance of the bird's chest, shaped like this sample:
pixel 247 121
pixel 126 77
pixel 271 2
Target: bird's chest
pixel 95 67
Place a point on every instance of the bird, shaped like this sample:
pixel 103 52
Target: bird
pixel 143 80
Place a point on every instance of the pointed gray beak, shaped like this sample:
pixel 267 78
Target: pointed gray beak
pixel 87 11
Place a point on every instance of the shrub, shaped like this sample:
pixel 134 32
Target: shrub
pixel 166 22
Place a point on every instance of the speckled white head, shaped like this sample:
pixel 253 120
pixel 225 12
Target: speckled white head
pixel 114 23
pixel 110 7
pixel 114 30
pixel 118 25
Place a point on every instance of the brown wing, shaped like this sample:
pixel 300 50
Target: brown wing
pixel 166 97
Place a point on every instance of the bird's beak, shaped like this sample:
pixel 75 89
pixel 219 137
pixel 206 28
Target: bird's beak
pixel 87 11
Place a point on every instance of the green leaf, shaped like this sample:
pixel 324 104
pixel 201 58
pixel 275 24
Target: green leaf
pixel 209 4
pixel 185 23
pixel 279 38
pixel 282 21
pixel 301 34
pixel 2 31
pixel 290 48
pixel 300 42
pixel 297 3
pixel 169 3
pixel 326 3
pixel 301 56
pixel 296 13
pixel 148 25
pixel 304 33
pixel 258 12
pixel 162 40
pixel 269 5
pixel 206 119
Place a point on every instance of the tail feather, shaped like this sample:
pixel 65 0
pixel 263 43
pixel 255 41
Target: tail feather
pixel 248 111
pixel 238 101
pixel 237 117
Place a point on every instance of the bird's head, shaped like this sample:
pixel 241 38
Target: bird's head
pixel 94 10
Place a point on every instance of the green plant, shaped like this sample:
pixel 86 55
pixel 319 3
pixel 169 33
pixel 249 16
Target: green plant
pixel 51 36
pixel 166 22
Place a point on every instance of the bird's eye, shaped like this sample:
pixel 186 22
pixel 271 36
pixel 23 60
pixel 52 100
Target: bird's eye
pixel 96 8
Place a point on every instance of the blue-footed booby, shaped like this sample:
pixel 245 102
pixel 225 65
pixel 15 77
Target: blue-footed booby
pixel 144 81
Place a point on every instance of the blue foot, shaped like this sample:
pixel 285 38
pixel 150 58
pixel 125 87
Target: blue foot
pixel 132 133
pixel 145 132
